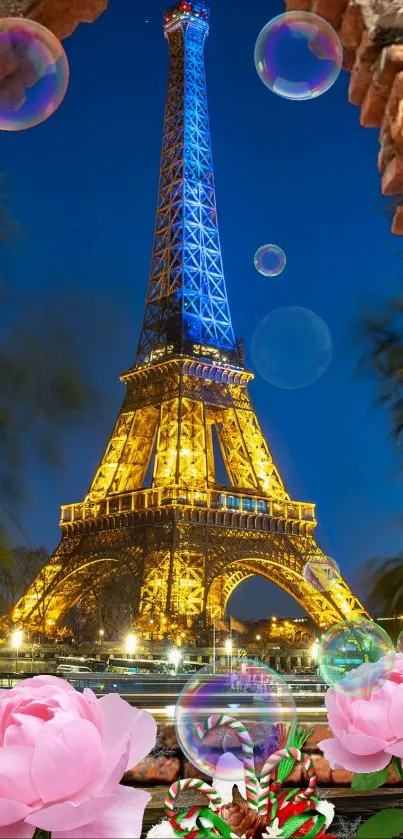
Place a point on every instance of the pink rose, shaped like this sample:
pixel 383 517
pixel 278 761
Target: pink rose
pixel 368 729
pixel 62 755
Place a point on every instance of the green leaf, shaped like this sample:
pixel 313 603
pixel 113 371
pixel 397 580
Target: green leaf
pixel 41 834
pixel 397 765
pixel 385 825
pixel 369 780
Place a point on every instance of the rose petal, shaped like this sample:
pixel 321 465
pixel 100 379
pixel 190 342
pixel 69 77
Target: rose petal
pixel 361 744
pixel 119 718
pixel 68 815
pixel 23 731
pixel 339 758
pixel 66 759
pixel 17 830
pixel 112 770
pixel 372 718
pixel 396 749
pixel 336 712
pixel 395 711
pixel 15 775
pixel 12 811
pixel 122 821
pixel 38 682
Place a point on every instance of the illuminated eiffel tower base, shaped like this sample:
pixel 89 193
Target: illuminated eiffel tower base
pixel 185 541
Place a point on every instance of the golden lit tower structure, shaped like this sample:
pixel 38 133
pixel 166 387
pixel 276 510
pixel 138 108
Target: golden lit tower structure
pixel 186 540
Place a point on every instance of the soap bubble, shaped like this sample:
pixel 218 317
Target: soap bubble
pixel 252 693
pixel 321 573
pixel 291 347
pixel 270 260
pixel 298 55
pixel 34 73
pixel 399 642
pixel 356 657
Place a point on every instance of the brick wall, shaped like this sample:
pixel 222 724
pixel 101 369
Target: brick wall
pixel 371 32
pixel 166 764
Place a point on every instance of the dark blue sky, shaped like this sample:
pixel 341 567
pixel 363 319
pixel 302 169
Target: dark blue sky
pixel 301 174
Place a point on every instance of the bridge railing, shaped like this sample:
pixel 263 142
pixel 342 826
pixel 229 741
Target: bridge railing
pixel 226 500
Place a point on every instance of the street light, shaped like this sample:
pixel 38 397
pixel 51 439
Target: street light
pixel 228 650
pixel 101 633
pixel 175 657
pixel 16 641
pixel 130 644
pixel 258 637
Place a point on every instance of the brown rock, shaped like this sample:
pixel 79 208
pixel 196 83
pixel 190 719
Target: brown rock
pixel 352 27
pixel 392 181
pixel 390 63
pixel 373 106
pixel 330 10
pixel 395 110
pixel 191 772
pixel 340 777
pixel 154 770
pixel 322 769
pixel 296 776
pixel 386 154
pixel 361 73
pixel 14 8
pixel 298 5
pixel 397 226
pixel 349 55
pixel 320 732
pixel 167 737
pixel 63 16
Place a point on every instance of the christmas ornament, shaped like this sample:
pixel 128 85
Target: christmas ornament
pixel 269 812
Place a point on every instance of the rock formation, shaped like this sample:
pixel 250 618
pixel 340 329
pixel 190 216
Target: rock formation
pixel 371 32
pixel 60 16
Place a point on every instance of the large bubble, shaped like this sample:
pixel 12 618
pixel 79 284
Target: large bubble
pixel 356 657
pixel 399 642
pixel 251 693
pixel 34 73
pixel 291 347
pixel 321 573
pixel 270 260
pixel 298 55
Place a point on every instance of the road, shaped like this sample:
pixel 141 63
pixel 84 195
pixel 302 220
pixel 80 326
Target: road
pixel 159 695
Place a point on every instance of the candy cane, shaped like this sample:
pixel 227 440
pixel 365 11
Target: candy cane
pixel 190 783
pixel 251 783
pixel 267 790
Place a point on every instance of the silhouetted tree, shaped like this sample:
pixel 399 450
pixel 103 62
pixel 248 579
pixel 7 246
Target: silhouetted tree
pixel 18 573
pixel 383 358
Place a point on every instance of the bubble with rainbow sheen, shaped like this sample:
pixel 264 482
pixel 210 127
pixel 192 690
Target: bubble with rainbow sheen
pixel 246 690
pixel 270 260
pixel 356 657
pixel 34 73
pixel 399 642
pixel 321 573
pixel 291 347
pixel 298 55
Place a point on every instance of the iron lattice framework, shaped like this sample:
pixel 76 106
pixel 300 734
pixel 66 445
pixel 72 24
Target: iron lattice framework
pixel 185 542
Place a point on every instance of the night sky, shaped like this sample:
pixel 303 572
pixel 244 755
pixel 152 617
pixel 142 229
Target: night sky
pixel 300 174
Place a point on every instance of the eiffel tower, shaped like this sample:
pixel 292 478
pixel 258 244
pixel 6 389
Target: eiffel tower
pixel 185 540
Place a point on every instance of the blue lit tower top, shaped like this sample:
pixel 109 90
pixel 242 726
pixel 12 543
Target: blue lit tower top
pixel 187 308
